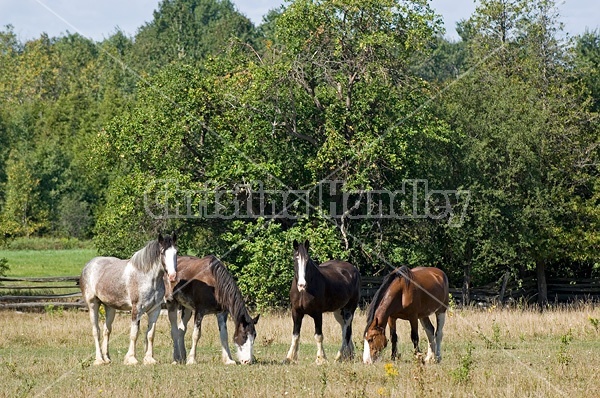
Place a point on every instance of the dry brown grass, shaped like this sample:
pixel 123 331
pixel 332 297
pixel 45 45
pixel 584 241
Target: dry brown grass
pixel 512 353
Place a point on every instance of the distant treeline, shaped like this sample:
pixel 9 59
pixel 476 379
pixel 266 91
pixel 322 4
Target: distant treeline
pixel 353 124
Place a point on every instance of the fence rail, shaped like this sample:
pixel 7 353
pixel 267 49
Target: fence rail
pixel 559 290
pixel 38 299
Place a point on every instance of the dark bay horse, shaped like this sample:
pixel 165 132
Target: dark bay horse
pixel 410 295
pixel 134 285
pixel 206 287
pixel 331 286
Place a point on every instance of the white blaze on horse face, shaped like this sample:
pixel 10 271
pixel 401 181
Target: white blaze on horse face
pixel 367 353
pixel 245 352
pixel 301 272
pixel 171 263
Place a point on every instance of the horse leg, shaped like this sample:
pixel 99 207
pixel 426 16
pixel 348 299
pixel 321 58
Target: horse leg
pixel 321 357
pixel 109 318
pixel 344 318
pixel 414 334
pixel 133 334
pixel 152 318
pixel 176 333
pixel 429 330
pixel 292 354
pixel 225 353
pixel 93 306
pixel 440 320
pixel 393 337
pixel 195 337
pixel 186 315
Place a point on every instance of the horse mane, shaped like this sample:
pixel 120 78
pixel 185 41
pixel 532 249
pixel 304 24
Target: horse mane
pixel 227 292
pixel 402 272
pixel 146 258
pixel 406 273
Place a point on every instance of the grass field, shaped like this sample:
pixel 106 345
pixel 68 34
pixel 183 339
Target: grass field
pixel 28 263
pixel 496 353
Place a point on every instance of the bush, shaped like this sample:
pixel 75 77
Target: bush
pixel 3 266
pixel 262 256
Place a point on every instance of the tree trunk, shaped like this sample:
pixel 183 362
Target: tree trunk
pixel 540 268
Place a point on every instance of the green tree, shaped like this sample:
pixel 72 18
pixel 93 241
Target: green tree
pixel 516 110
pixel 587 64
pixel 21 214
pixel 189 31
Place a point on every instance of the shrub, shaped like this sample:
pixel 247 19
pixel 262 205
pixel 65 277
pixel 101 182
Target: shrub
pixel 261 256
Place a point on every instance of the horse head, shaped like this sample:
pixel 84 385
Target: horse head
pixel 244 336
pixel 168 253
pixel 301 258
pixel 375 342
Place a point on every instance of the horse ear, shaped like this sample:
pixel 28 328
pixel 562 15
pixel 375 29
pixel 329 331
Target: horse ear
pixel 255 320
pixel 306 244
pixel 376 323
pixel 174 236
pixel 295 244
pixel 160 238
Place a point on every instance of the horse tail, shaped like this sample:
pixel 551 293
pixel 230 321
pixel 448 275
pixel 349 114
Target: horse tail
pixel 387 281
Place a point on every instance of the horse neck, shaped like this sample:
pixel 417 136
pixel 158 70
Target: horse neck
pixel 312 272
pixel 229 295
pixel 383 302
pixel 140 259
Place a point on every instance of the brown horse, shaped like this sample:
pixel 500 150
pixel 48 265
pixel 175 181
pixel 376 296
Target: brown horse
pixel 206 287
pixel 135 285
pixel 410 295
pixel 331 286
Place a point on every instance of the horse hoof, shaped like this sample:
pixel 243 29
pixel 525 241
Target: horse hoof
pixel 229 362
pixel 191 362
pixel 288 361
pixel 150 361
pixel 321 361
pixel 100 362
pixel 130 361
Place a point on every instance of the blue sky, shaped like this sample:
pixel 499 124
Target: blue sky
pixel 97 19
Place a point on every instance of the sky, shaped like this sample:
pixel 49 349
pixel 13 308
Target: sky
pixel 98 19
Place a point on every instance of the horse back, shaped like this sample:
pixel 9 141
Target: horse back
pixel 429 290
pixel 196 286
pixel 340 273
pixel 425 294
pixel 340 288
pixel 103 278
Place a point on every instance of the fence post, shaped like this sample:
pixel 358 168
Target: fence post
pixel 503 289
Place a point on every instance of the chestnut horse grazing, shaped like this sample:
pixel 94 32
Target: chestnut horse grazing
pixel 134 285
pixel 410 295
pixel 206 287
pixel 331 286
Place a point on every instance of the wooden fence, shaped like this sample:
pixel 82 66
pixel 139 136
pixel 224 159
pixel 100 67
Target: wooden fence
pixel 41 292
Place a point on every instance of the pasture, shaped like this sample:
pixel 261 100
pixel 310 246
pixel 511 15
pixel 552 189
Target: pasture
pixel 50 262
pixel 486 353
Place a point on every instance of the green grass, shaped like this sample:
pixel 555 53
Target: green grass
pixel 51 354
pixel 48 244
pixel 29 263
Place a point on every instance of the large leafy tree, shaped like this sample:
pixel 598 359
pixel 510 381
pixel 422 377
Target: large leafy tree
pixel 517 109
pixel 331 97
